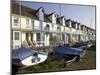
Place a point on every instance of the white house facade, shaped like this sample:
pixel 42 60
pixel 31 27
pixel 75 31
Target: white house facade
pixel 36 28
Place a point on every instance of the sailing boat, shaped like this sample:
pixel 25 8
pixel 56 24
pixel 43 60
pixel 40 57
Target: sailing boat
pixel 25 56
pixel 28 57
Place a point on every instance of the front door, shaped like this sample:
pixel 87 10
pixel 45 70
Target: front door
pixel 27 36
pixel 32 37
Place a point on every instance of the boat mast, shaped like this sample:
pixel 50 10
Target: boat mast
pixel 91 22
pixel 60 23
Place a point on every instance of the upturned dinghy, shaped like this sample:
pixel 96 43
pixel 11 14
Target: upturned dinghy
pixel 28 57
pixel 77 51
pixel 67 51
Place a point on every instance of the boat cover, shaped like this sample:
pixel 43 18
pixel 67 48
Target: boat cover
pixel 68 51
pixel 22 53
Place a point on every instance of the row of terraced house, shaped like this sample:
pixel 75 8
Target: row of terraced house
pixel 38 28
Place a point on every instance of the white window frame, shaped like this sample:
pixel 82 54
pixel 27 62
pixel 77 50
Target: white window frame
pixel 41 15
pixel 17 36
pixel 38 36
pixel 32 24
pixel 16 18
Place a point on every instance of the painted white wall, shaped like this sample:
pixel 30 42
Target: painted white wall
pixel 41 14
pixel 47 37
pixel 70 23
pixel 55 27
pixel 67 38
pixel 73 30
pixel 67 29
pixel 53 18
pixel 52 27
pixel 24 24
pixel 44 25
pixel 63 21
pixel 23 36
pixel 34 37
pixel 62 28
pixel 76 25
pixel 36 24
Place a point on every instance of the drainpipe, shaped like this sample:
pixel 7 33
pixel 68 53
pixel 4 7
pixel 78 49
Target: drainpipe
pixel 20 24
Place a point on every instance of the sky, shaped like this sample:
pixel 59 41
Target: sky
pixel 83 14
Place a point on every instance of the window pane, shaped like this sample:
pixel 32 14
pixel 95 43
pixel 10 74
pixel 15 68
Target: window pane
pixel 16 35
pixel 41 15
pixel 38 36
pixel 32 23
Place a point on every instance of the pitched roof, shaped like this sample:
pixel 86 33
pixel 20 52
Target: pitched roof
pixel 25 11
pixel 58 20
pixel 46 18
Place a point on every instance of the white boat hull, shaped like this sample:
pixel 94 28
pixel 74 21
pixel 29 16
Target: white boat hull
pixel 28 61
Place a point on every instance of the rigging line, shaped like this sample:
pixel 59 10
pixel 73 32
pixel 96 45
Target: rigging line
pixel 91 22
pixel 60 11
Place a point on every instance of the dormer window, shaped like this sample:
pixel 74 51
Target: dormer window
pixel 41 16
pixel 81 28
pixel 67 24
pixel 53 17
pixel 40 13
pixel 77 26
pixel 73 24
